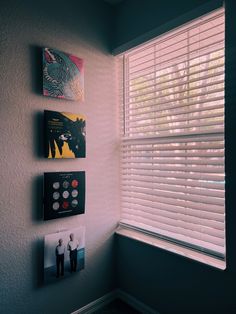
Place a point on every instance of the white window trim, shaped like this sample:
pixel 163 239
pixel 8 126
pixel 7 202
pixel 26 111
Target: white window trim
pixel 146 239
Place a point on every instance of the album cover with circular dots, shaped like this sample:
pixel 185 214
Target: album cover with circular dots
pixel 64 194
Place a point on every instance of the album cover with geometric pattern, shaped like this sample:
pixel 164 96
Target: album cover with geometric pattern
pixel 64 194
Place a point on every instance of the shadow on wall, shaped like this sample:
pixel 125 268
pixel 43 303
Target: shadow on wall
pixel 36 69
pixel 37 263
pixel 38 134
pixel 37 198
pixel 60 18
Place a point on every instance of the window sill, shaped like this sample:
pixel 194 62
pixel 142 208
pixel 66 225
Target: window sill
pixel 171 247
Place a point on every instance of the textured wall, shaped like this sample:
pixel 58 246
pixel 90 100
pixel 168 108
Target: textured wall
pixel 82 28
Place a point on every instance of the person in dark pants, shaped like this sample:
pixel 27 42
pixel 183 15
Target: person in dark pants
pixel 73 246
pixel 60 253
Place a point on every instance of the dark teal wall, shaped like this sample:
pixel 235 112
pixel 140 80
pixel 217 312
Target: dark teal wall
pixel 172 284
pixel 140 20
pixel 165 281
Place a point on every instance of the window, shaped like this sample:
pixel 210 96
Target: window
pixel 172 118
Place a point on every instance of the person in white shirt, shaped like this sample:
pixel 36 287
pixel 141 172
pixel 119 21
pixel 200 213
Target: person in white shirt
pixel 73 246
pixel 60 253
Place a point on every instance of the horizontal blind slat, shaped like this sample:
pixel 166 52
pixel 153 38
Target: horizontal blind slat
pixel 204 154
pixel 187 138
pixel 203 235
pixel 130 185
pixel 165 135
pixel 194 206
pixel 151 55
pixel 183 87
pixel 138 199
pixel 167 106
pixel 200 51
pixel 176 175
pixel 220 56
pixel 212 185
pixel 188 77
pixel 216 170
pixel 213 91
pixel 188 112
pixel 142 192
pixel 174 128
pixel 174 146
pixel 158 119
pixel 169 210
pixel 186 161
pixel 182 220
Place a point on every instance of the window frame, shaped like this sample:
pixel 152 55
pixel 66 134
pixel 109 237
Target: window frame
pixel 148 232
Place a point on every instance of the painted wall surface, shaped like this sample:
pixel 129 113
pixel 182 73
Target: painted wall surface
pixel 83 29
pixel 165 281
pixel 171 283
pixel 137 21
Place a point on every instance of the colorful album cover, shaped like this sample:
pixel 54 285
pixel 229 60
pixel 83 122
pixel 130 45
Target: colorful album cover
pixel 63 75
pixel 64 254
pixel 64 194
pixel 64 135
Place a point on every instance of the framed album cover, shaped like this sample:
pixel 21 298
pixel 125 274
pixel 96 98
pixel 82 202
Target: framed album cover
pixel 64 254
pixel 64 135
pixel 64 194
pixel 63 75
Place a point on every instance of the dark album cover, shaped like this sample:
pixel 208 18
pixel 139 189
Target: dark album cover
pixel 64 194
pixel 64 135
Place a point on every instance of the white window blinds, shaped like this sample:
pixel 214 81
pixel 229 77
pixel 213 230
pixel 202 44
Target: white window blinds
pixel 173 135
